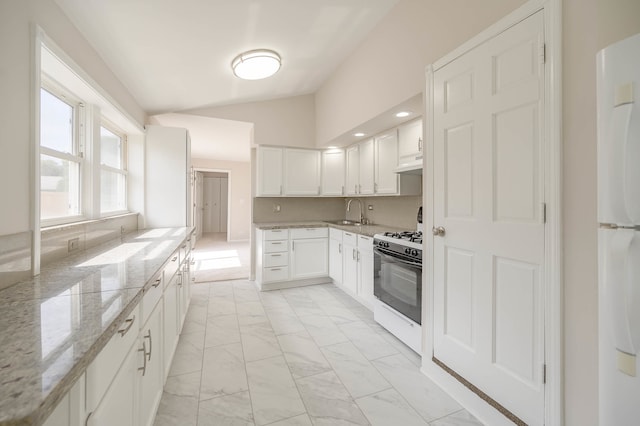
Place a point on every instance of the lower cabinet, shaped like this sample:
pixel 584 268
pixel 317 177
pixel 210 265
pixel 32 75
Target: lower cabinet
pixel 357 267
pixel 123 385
pixel 309 258
pixel 335 255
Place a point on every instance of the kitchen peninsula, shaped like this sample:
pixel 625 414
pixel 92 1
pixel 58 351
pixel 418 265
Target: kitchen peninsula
pixel 56 326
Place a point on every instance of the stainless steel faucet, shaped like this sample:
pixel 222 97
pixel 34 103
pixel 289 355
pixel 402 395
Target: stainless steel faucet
pixel 360 204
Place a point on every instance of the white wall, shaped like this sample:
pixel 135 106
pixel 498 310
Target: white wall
pixel 16 18
pixel 285 121
pixel 239 196
pixel 388 68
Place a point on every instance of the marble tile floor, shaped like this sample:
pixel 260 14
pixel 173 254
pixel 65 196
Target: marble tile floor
pixel 301 356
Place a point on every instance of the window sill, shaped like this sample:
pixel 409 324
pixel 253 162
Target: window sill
pixel 68 225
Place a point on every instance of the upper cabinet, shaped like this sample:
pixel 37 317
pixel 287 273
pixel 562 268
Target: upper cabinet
pixel 366 184
pixel 352 172
pixel 301 172
pixel 287 171
pixel 333 172
pixel 386 159
pixel 410 146
pixel 269 168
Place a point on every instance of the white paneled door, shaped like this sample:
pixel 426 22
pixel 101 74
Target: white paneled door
pixel 489 198
pixel 215 204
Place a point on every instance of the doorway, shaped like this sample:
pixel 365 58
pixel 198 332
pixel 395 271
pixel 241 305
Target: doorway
pixel 212 204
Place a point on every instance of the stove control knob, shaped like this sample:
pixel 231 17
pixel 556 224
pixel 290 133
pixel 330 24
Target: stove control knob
pixel 386 245
pixel 414 252
pixel 407 251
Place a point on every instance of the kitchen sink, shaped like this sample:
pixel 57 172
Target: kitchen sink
pixel 345 222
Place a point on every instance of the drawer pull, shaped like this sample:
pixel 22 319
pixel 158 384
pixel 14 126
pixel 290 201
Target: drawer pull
pixel 156 283
pixel 340 248
pixel 144 358
pixel 276 269
pixel 277 242
pixel 276 230
pixel 174 258
pixel 184 246
pixel 148 336
pixel 129 322
pixel 276 255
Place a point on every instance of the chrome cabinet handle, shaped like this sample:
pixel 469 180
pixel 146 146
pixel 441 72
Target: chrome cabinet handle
pixel 174 258
pixel 280 189
pixel 375 187
pixel 129 322
pixel 340 248
pixel 357 255
pixel 276 255
pixel 342 190
pixel 419 144
pixel 293 246
pixel 144 357
pixel 438 232
pixel 353 254
pixel 148 336
pixel 156 283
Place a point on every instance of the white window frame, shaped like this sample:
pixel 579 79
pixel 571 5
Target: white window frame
pixel 78 145
pixel 123 170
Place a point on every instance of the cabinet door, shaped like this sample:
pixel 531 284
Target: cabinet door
pixel 152 378
pixel 333 172
pixel 365 271
pixel 350 268
pixel 386 159
pixel 335 260
pixel 410 142
pixel 366 176
pixel 309 258
pixel 353 170
pixel 269 171
pixel 118 406
pixel 170 323
pixel 183 299
pixel 301 172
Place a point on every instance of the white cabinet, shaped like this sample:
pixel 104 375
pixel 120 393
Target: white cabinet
pixel 152 374
pixel 170 323
pixel 335 255
pixel 357 267
pixel 70 410
pixel 365 270
pixel 352 173
pixel 309 253
pixel 410 146
pixel 333 172
pixel 301 172
pixel 269 167
pixel 386 159
pixel 272 255
pixel 167 177
pixel 366 183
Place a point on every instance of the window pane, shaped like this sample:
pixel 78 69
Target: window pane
pixel 59 187
pixel 112 193
pixel 56 123
pixel 110 148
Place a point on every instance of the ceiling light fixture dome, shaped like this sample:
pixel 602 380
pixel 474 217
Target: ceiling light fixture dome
pixel 256 64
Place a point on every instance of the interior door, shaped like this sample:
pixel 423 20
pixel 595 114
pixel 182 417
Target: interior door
pixel 199 203
pixel 224 203
pixel 488 197
pixel 212 204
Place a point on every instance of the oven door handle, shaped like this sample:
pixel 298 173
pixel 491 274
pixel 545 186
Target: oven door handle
pixel 384 253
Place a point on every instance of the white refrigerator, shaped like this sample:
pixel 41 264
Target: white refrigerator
pixel 618 109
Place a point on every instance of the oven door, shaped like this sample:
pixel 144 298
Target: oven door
pixel 398 283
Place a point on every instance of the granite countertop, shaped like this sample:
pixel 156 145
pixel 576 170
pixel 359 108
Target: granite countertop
pixel 368 230
pixel 54 325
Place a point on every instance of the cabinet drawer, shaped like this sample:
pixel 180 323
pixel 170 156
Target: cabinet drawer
pixel 349 238
pixel 280 273
pixel 171 267
pixel 276 259
pixel 104 368
pixel 299 233
pixel 276 246
pixel 151 297
pixel 276 234
pixel 365 242
pixel 335 234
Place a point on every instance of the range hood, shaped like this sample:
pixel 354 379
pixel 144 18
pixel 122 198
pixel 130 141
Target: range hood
pixel 412 167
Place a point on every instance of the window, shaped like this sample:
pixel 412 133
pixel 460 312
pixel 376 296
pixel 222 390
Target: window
pixel 113 174
pixel 60 158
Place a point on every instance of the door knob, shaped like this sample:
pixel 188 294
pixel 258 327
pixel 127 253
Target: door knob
pixel 438 232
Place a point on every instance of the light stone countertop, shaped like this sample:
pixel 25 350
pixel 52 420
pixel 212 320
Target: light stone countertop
pixel 368 230
pixel 53 326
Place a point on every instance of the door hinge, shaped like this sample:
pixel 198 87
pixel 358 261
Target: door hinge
pixel 543 53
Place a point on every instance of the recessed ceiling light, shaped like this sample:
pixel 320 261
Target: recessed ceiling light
pixel 332 147
pixel 358 135
pixel 403 114
pixel 256 64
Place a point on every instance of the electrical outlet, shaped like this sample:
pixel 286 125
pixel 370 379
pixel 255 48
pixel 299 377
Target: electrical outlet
pixel 370 207
pixel 73 244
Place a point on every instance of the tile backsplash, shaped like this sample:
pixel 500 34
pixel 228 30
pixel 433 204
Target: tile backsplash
pixel 58 242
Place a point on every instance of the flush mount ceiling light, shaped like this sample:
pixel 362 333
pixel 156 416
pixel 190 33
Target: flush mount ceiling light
pixel 358 135
pixel 403 114
pixel 256 64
